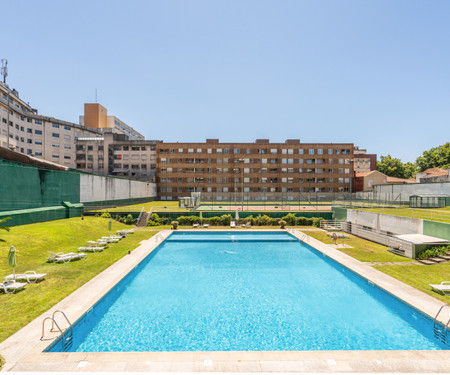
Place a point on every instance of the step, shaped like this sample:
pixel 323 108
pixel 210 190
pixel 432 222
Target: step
pixel 437 260
pixel 446 257
pixel 427 262
pixel 397 252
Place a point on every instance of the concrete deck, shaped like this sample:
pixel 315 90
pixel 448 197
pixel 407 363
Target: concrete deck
pixel 24 351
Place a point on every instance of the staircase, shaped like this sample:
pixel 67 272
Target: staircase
pixel 144 218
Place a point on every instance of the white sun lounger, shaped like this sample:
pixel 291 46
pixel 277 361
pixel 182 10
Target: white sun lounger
pixel 65 258
pixel 112 239
pixel 97 243
pixel 443 287
pixel 29 276
pixel 91 248
pixel 9 287
pixel 232 224
pixel 127 231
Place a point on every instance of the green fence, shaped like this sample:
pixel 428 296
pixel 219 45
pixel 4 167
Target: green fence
pixel 24 187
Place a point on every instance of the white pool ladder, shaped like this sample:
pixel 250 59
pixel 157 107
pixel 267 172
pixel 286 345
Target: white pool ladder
pixel 159 237
pixel 440 330
pixel 66 336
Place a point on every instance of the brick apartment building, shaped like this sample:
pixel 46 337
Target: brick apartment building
pixel 260 167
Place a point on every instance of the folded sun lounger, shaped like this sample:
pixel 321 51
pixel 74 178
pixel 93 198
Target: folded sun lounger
pixel 443 287
pixel 91 248
pixel 9 287
pixel 29 276
pixel 65 258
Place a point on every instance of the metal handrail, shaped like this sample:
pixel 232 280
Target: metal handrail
pixel 62 312
pixel 53 322
pixel 435 318
pixel 139 217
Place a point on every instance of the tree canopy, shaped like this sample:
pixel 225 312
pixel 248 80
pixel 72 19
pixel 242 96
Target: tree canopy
pixel 436 157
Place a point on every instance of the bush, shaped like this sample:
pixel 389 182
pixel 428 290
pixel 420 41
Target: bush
pixel 290 219
pixel 188 220
pixel 225 220
pixel 303 221
pixel 154 218
pixel 214 220
pixel 433 252
pixel 249 219
pixel 274 221
pixel 106 215
pixel 129 220
pixel 316 221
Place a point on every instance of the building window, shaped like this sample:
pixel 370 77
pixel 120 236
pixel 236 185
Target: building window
pixel 67 128
pixel 38 131
pixel 38 153
pixel 55 135
pixel 55 126
pixel 38 122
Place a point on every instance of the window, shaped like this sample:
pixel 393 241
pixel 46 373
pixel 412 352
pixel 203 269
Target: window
pixel 320 151
pixel 67 128
pixel 100 148
pixel 330 151
pixel 38 132
pixel 55 156
pixel 29 130
pixel 90 148
pixel 55 145
pixel 67 137
pixel 55 126
pixel 66 156
pixel 311 151
pixel 273 151
pixel 300 151
pixel 55 135
pixel 38 153
pixel 135 148
pixel 237 151
pixel 38 122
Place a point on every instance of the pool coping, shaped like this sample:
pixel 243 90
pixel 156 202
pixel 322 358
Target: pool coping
pixel 23 351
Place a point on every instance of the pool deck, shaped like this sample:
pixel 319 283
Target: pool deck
pixel 23 351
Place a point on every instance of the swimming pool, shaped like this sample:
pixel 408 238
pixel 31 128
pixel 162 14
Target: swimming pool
pixel 247 291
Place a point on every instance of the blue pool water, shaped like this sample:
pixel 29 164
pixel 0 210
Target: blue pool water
pixel 235 291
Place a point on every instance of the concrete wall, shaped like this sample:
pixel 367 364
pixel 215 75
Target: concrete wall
pixel 436 229
pixel 101 188
pixel 402 192
pixel 385 223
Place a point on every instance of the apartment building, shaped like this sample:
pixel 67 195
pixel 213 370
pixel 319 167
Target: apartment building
pixel 364 162
pixel 260 167
pixel 116 155
pixel 96 116
pixel 23 130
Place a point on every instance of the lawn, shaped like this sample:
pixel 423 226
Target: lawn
pixel 363 250
pixel 418 276
pixel 435 214
pixel 156 205
pixel 32 243
pixel 421 276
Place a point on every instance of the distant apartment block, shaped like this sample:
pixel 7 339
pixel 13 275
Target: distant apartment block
pixel 433 175
pixel 116 155
pixel 96 116
pixel 23 130
pixel 364 162
pixel 220 168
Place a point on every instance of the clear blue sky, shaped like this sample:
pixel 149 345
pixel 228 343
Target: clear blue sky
pixel 375 73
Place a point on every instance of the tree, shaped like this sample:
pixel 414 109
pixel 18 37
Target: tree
pixel 394 167
pixel 436 157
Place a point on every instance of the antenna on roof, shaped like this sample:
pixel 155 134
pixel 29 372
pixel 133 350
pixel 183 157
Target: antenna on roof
pixel 4 71
pixel 96 96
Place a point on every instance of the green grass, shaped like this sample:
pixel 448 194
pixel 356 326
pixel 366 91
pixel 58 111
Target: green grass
pixel 363 250
pixel 435 214
pixel 32 243
pixel 419 276
pixel 156 205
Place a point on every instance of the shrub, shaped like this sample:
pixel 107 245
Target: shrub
pixel 106 215
pixel 274 221
pixel 154 218
pixel 214 220
pixel 249 219
pixel 188 220
pixel 129 220
pixel 316 221
pixel 225 219
pixel 303 221
pixel 265 220
pixel 290 219
pixel 433 252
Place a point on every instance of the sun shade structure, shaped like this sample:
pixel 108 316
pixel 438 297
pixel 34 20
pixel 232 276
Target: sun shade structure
pixel 12 260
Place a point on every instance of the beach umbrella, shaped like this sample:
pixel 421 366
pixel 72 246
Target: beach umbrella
pixel 12 260
pixel 110 226
pixel 201 216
